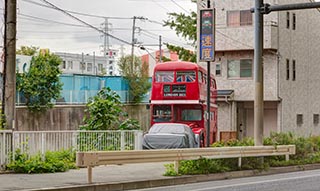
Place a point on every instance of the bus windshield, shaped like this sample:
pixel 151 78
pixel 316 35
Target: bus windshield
pixel 162 113
pixel 191 115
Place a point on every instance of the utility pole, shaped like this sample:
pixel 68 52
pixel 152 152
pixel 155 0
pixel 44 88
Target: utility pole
pixel 133 42
pixel 259 10
pixel 258 74
pixel 206 50
pixel 160 44
pixel 10 62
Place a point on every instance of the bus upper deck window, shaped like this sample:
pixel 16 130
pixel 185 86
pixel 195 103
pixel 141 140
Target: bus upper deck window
pixel 164 76
pixel 188 76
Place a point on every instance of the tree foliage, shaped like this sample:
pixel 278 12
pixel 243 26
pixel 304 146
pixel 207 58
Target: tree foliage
pixel 137 76
pixel 186 27
pixel 103 111
pixel 29 51
pixel 41 84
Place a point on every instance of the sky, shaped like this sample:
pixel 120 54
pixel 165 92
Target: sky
pixel 40 25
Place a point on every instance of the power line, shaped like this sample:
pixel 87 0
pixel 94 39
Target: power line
pixel 180 6
pixel 78 13
pixel 91 26
pixel 224 35
pixel 47 20
pixel 161 6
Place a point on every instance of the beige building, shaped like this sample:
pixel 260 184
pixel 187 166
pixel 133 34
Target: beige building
pixel 291 66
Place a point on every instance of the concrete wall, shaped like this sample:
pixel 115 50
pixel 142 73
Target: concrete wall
pixel 244 87
pixel 69 118
pixel 241 37
pixel 300 96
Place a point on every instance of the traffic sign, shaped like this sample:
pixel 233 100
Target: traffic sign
pixel 207 35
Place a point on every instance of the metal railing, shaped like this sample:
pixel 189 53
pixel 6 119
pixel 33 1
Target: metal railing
pixel 82 97
pixel 91 159
pixel 34 142
pixel 5 147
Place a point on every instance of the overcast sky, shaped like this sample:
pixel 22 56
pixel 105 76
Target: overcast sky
pixel 46 27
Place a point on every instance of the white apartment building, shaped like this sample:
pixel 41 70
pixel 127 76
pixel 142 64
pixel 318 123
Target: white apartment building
pixel 90 64
pixel 291 66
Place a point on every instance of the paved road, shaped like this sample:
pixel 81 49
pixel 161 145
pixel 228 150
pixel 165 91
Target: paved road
pixel 296 181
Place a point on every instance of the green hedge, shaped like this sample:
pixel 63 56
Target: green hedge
pixel 307 152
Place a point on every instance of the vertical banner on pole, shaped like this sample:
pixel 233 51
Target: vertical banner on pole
pixel 207 35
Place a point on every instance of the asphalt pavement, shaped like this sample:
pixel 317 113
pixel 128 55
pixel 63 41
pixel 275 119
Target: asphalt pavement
pixel 121 177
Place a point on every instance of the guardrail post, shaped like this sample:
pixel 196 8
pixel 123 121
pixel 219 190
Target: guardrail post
pixel 89 174
pixel 176 166
pixel 287 157
pixel 239 162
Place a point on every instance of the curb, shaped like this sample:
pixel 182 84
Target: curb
pixel 116 186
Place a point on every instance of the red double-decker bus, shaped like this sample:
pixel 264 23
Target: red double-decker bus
pixel 179 95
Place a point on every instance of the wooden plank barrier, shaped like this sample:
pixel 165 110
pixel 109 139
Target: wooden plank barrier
pixel 96 158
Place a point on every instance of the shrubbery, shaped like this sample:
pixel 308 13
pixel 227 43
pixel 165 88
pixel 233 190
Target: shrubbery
pixel 58 161
pixel 307 152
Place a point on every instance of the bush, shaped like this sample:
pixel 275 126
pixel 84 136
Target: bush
pixel 307 152
pixel 58 161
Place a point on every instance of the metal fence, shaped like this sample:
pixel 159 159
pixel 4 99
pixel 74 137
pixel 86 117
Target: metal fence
pixel 34 142
pixel 5 147
pixel 82 97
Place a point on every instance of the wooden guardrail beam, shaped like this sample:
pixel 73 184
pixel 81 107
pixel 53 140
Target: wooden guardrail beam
pixel 91 159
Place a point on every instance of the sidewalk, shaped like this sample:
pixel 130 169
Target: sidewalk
pixel 120 177
pixel 112 174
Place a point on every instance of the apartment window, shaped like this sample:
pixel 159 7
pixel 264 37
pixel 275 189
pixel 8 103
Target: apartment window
pixel 239 18
pixel 315 119
pixel 245 18
pixel 240 68
pixel 293 21
pixel 82 65
pixel 64 65
pixel 293 70
pixel 89 67
pixel 288 69
pixel 288 20
pixel 100 67
pixel 299 119
pixel 218 69
pixel 70 64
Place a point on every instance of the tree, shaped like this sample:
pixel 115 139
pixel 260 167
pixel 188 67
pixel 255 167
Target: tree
pixel 137 76
pixel 104 110
pixel 41 84
pixel 185 26
pixel 29 51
